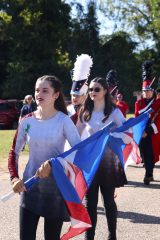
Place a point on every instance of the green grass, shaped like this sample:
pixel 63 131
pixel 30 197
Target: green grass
pixel 129 115
pixel 6 139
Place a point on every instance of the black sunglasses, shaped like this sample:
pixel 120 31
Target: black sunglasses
pixel 97 89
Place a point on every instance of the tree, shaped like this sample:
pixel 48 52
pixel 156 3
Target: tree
pixel 118 53
pixel 138 17
pixel 35 35
pixel 85 31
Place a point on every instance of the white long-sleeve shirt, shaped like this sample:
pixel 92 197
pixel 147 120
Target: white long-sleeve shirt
pixel 86 129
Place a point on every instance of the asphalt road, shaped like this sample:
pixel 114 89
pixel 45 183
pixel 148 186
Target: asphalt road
pixel 138 210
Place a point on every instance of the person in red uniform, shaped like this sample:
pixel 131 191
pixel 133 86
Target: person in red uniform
pixel 142 105
pixel 155 123
pixel 122 105
pixel 79 88
pixel 76 102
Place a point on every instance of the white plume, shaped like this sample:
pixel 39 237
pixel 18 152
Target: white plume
pixel 82 67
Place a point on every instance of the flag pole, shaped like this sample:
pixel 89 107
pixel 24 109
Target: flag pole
pixel 27 184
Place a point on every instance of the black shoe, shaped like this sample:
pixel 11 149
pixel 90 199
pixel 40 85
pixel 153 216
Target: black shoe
pixel 111 237
pixel 151 179
pixel 147 180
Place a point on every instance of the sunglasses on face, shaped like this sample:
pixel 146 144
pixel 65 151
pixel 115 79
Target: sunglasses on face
pixel 97 89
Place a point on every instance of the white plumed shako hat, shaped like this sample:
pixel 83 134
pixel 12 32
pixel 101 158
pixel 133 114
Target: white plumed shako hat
pixel 81 72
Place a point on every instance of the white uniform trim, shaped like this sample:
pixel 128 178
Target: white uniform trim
pixel 71 110
pixel 154 128
pixel 144 109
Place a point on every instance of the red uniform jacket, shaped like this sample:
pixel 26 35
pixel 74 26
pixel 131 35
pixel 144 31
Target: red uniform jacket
pixel 155 123
pixel 74 118
pixel 140 107
pixel 123 106
pixel 73 113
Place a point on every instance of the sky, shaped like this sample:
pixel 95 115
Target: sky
pixel 106 26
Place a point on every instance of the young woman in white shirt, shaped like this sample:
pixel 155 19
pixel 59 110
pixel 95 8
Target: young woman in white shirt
pixel 45 131
pixel 97 112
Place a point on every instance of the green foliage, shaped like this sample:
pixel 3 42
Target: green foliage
pixel 35 33
pixel 117 53
pixel 63 59
pixel 40 37
pixel 5 17
pixel 141 20
pixel 85 31
pixel 138 17
pixel 30 17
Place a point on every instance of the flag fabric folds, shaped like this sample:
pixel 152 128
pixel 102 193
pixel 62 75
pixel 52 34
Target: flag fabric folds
pixel 74 170
pixel 125 139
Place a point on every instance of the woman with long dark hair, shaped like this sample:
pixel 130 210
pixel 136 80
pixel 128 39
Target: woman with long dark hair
pixel 45 131
pixel 97 112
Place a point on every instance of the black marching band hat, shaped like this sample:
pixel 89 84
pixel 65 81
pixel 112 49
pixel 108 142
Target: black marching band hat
pixel 112 82
pixel 147 75
pixel 81 72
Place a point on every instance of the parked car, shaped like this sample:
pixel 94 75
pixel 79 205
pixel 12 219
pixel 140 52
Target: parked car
pixel 9 113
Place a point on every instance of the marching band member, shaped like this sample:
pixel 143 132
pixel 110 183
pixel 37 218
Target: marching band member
pixel 155 125
pixel 111 80
pixel 122 105
pixel 142 105
pixel 79 88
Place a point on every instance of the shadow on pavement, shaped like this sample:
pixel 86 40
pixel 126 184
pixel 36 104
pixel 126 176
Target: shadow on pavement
pixel 139 217
pixel 157 166
pixel 141 166
pixel 100 211
pixel 134 217
pixel 152 185
pixel 136 166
